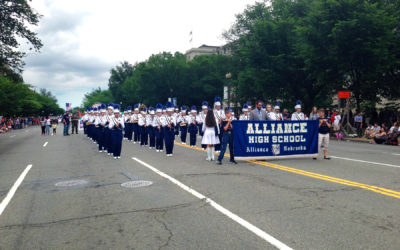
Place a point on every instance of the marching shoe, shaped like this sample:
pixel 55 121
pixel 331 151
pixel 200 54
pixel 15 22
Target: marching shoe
pixel 108 154
pixel 100 151
pixel 119 157
pixel 115 157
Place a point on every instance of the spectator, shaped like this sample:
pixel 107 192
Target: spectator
pixel 369 132
pixel 75 121
pixel 358 122
pixel 323 133
pixel 48 123
pixel 43 125
pixel 54 126
pixel 336 125
pixel 66 121
pixel 393 135
pixel 380 137
pixel 227 137
pixel 314 114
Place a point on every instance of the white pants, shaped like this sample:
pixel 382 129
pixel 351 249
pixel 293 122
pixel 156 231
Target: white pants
pixel 323 141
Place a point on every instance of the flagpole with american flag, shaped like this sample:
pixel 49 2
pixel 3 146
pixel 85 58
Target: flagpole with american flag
pixel 191 38
pixel 68 106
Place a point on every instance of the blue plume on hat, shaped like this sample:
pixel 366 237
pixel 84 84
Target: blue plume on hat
pixel 117 107
pixel 136 106
pixel 245 106
pixel 164 107
pixel 249 103
pixel 169 105
pixel 277 104
pixel 183 107
pixel 193 108
pixel 217 99
pixel 151 109
pixel 264 106
pixel 204 105
pixel 159 106
pixel 298 102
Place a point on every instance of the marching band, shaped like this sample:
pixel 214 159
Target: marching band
pixel 157 127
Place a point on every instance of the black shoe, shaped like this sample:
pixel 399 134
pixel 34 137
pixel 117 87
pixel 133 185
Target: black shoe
pixel 314 158
pixel 327 158
pixel 219 163
pixel 233 162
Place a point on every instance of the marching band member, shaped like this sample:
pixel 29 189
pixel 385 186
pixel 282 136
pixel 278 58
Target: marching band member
pixel 201 119
pixel 89 123
pixel 269 111
pixel 150 129
pixel 276 115
pixel 182 123
pixel 116 125
pixel 125 116
pixel 245 115
pixel 219 117
pixel 169 124
pixel 211 130
pixel 107 130
pixel 91 126
pixel 143 127
pixel 135 126
pixel 176 115
pixel 158 127
pixel 85 118
pixel 264 107
pixel 129 123
pixel 99 123
pixel 298 115
pixel 249 105
pixel 192 123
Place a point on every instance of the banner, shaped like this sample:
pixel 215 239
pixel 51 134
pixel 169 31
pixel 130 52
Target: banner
pixel 263 140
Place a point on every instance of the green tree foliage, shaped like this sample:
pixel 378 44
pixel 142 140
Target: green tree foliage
pixel 309 49
pixel 169 75
pixel 118 76
pixel 18 99
pixel 16 19
pixel 97 96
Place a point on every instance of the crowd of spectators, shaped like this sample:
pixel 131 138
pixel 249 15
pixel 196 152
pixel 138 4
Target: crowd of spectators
pixel 7 124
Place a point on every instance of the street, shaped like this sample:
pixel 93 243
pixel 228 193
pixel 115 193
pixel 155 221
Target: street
pixel 74 197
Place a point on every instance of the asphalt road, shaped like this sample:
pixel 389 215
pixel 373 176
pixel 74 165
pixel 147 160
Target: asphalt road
pixel 349 202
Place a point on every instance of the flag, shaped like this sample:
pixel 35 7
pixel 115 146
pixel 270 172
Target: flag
pixel 68 106
pixel 191 33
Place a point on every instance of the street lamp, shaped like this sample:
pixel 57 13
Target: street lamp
pixel 228 84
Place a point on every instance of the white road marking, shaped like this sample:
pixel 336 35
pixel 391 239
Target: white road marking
pixel 45 144
pixel 13 189
pixel 270 239
pixel 395 154
pixel 369 162
pixel 11 136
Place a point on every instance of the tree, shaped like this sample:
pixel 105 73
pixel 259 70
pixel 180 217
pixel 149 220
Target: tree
pixel 16 19
pixel 18 99
pixel 97 96
pixel 118 76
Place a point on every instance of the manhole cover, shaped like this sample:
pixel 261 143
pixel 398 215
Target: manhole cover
pixel 71 183
pixel 136 184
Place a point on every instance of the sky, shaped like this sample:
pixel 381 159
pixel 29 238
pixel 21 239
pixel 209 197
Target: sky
pixel 84 39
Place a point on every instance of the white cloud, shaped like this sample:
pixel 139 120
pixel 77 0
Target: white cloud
pixel 83 40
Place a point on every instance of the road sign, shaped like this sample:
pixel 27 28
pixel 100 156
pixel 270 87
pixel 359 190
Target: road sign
pixel 344 94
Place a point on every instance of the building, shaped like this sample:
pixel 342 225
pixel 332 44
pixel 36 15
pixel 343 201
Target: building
pixel 207 50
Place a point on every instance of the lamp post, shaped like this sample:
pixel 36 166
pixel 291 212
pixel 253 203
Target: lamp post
pixel 228 84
